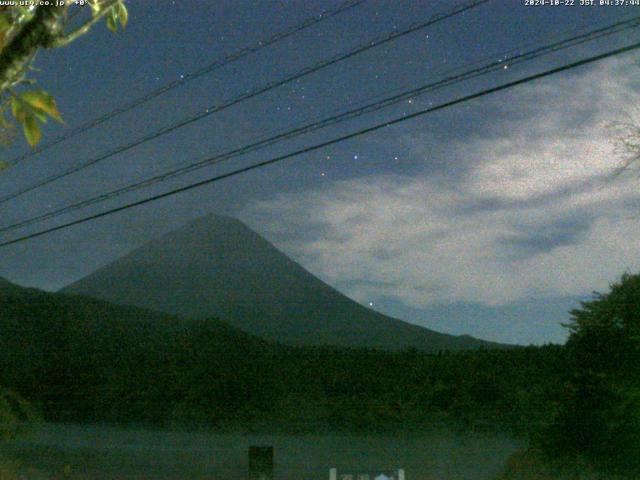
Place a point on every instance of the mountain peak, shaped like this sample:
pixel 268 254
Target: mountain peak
pixel 217 266
pixel 214 221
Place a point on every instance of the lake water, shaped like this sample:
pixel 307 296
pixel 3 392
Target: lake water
pixel 126 453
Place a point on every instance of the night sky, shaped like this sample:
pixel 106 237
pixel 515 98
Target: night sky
pixel 492 218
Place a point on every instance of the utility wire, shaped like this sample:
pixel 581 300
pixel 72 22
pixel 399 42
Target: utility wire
pixel 334 119
pixel 188 77
pixel 333 141
pixel 252 93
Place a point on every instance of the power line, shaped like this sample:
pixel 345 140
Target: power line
pixel 327 143
pixel 188 77
pixel 334 119
pixel 252 93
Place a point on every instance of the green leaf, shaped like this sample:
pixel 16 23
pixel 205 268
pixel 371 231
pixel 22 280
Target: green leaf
pixel 41 102
pixel 18 110
pixel 123 14
pixel 39 115
pixel 112 20
pixel 3 165
pixel 24 11
pixel 32 130
pixel 5 21
pixel 95 8
pixel 5 26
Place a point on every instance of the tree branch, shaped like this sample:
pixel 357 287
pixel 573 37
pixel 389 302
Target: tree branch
pixel 70 37
pixel 39 32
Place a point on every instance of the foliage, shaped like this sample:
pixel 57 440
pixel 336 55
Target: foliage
pixel 533 464
pixel 23 31
pixel 599 418
pixel 15 414
pixel 89 361
pixel 32 107
pixel 626 136
pixel 84 360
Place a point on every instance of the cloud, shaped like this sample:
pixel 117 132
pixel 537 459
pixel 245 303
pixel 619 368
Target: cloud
pixel 532 241
pixel 534 213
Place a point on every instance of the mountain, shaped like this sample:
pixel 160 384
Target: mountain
pixel 217 266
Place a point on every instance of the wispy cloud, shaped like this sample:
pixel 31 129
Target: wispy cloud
pixel 535 211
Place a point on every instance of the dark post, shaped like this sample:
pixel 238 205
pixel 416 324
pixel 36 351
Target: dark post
pixel 260 463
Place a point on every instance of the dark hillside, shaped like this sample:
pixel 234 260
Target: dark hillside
pixel 79 359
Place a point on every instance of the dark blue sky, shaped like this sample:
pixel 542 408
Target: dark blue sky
pixel 488 218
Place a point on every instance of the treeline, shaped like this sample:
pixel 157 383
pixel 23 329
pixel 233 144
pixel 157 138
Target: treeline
pixel 81 360
pixel 598 420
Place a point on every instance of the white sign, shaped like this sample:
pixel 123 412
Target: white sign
pixel 370 475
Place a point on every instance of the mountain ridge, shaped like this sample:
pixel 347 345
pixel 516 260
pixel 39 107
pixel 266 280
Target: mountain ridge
pixel 83 360
pixel 217 266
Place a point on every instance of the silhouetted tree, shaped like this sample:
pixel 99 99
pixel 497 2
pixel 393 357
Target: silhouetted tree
pixel 600 416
